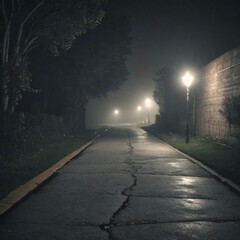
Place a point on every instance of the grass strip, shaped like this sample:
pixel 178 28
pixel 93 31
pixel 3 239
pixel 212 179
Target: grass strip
pixel 222 158
pixel 28 165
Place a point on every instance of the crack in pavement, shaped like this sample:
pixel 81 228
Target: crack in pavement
pixel 107 227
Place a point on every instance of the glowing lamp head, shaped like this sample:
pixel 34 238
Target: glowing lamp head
pixel 139 108
pixel 116 112
pixel 148 103
pixel 187 79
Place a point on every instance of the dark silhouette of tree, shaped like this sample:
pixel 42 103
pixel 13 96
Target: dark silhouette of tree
pixel 170 99
pixel 26 24
pixel 95 65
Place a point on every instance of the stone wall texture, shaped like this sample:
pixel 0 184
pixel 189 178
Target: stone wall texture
pixel 218 79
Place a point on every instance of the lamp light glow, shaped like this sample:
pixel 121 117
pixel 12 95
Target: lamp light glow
pixel 187 79
pixel 148 106
pixel 148 103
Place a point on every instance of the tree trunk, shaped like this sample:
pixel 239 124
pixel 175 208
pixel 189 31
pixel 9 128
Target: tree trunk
pixel 5 96
pixel 4 99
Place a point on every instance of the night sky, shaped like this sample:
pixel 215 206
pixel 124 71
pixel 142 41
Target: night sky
pixel 183 34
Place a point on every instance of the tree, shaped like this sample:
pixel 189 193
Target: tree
pixel 95 65
pixel 159 94
pixel 26 24
pixel 169 98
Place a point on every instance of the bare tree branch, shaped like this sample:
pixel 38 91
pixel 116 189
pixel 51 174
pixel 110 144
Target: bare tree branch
pixel 23 23
pixel 4 12
pixel 30 43
pixel 8 44
pixel 33 47
pixel 31 13
pixel 6 40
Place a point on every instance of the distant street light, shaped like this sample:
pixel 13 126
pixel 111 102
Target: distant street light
pixel 116 112
pixel 139 108
pixel 187 80
pixel 148 105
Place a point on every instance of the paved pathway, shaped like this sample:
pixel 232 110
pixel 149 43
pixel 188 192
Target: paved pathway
pixel 127 185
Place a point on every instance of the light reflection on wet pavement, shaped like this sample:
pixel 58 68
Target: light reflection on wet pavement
pixel 128 185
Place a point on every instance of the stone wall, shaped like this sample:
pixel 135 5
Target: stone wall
pixel 218 79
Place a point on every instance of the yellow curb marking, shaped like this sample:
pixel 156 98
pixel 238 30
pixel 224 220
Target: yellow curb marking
pixel 22 191
pixel 4 207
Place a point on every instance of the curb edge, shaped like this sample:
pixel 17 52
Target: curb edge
pixel 227 181
pixel 18 194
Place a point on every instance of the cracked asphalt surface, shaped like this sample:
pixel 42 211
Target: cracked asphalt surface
pixel 127 185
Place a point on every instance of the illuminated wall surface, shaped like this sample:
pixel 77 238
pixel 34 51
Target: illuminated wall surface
pixel 218 79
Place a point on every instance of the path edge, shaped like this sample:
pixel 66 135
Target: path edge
pixel 18 194
pixel 225 180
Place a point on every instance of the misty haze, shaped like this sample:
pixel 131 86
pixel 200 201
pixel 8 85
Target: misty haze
pixel 119 120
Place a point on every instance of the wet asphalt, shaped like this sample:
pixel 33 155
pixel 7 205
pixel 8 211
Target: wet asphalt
pixel 127 185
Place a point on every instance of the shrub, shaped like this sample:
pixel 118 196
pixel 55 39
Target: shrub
pixel 231 109
pixel 24 132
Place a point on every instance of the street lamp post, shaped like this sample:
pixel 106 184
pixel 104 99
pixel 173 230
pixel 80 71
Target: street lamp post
pixel 139 108
pixel 116 116
pixel 187 80
pixel 148 105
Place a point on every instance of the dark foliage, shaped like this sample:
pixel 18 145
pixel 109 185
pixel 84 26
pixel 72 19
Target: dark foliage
pixel 170 99
pixel 23 132
pixel 231 109
pixel 95 65
pixel 26 25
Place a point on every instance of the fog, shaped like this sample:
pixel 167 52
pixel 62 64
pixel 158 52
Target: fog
pixel 179 34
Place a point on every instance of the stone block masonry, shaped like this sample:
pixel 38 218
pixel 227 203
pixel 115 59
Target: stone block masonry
pixel 218 79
